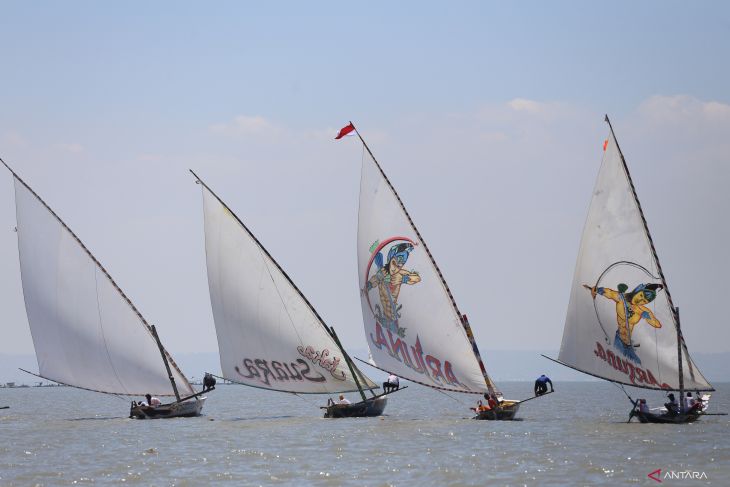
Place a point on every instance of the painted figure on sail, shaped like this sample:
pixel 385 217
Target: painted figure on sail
pixel 630 310
pixel 389 278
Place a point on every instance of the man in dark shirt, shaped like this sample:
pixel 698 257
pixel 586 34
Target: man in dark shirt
pixel 541 385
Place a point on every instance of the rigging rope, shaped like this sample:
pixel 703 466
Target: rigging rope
pixel 311 403
pixel 452 397
pixel 621 386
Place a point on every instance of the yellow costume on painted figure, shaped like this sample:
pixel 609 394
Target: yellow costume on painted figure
pixel 630 310
pixel 389 279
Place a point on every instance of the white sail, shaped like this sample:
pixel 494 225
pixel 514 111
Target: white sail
pixel 85 331
pixel 620 325
pixel 268 334
pixel 412 325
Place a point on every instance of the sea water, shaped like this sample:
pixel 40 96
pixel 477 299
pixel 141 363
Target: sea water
pixel 576 436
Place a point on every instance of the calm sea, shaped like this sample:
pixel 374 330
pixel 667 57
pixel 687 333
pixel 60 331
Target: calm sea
pixel 577 436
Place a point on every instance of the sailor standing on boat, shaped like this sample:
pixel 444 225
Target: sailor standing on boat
pixel 208 382
pixel 541 385
pixel 392 384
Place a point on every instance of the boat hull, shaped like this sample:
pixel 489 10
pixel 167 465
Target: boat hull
pixel 185 409
pixel 666 418
pixel 507 412
pixel 363 409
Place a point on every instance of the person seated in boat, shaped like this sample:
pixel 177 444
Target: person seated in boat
pixel 392 384
pixel 696 405
pixel 481 407
pixel 643 407
pixel 699 401
pixel 689 402
pixel 672 406
pixel 343 400
pixel 150 401
pixel 492 402
pixel 541 385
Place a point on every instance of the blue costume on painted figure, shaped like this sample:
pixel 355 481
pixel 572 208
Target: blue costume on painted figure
pixel 388 279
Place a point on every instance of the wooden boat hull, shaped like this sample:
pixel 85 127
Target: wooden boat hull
pixel 185 409
pixel 373 406
pixel 507 412
pixel 666 418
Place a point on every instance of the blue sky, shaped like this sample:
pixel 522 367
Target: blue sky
pixel 309 63
pixel 487 116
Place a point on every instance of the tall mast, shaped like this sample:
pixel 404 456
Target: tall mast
pixel 675 310
pixel 475 349
pixel 679 360
pixel 167 365
pixel 462 318
pixel 349 363
pixel 134 309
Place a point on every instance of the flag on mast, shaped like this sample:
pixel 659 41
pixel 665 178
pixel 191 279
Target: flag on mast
pixel 345 130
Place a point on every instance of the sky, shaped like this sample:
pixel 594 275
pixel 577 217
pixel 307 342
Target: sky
pixel 486 116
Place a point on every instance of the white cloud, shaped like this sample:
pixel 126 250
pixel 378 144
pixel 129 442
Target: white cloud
pixel 524 105
pixel 523 110
pixel 150 157
pixel 72 148
pixel 697 128
pixel 13 138
pixel 523 123
pixel 493 137
pixel 683 109
pixel 717 109
pixel 321 134
pixel 245 125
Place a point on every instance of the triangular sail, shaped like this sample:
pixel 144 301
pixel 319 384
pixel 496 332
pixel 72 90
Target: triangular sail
pixel 411 321
pixel 620 324
pixel 86 332
pixel 269 336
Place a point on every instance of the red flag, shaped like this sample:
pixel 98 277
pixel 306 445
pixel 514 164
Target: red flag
pixel 605 143
pixel 345 130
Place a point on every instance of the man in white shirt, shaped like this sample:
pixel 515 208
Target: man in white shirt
pixel 343 400
pixel 688 402
pixel 150 402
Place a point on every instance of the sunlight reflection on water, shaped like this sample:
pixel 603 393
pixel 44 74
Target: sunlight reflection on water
pixel 578 436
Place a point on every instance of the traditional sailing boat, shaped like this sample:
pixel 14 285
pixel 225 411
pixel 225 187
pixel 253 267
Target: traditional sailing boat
pixel 86 332
pixel 269 335
pixel 622 324
pixel 413 326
